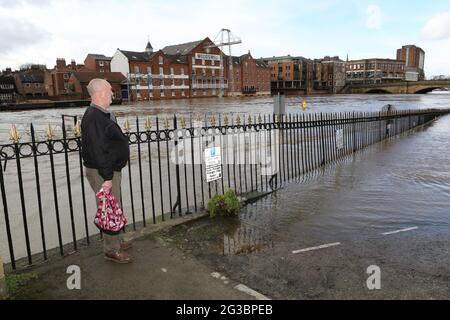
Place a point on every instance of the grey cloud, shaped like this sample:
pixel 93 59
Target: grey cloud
pixel 17 33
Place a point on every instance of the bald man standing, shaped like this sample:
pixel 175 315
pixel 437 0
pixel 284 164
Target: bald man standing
pixel 105 152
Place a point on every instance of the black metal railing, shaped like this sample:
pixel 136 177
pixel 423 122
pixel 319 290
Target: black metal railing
pixel 46 204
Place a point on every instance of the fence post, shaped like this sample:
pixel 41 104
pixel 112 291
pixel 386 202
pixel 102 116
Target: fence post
pixel 3 293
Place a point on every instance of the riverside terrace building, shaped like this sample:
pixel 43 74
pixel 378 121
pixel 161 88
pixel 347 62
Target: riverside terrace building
pixel 79 81
pixel 248 76
pixel 30 83
pixel 97 63
pixel 8 90
pixel 151 75
pixel 208 76
pixel 372 71
pixel 186 70
pixel 414 58
pixel 329 74
pixel 287 72
pixel 57 80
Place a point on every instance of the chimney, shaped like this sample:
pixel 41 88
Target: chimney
pixel 73 64
pixel 60 63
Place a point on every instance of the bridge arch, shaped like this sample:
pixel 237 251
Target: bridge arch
pixel 428 89
pixel 378 91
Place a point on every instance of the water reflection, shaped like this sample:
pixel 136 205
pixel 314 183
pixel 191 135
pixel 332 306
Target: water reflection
pixel 244 239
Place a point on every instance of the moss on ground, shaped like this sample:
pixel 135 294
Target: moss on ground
pixel 17 284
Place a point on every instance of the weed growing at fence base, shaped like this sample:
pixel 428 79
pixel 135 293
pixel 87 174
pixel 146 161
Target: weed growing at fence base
pixel 227 204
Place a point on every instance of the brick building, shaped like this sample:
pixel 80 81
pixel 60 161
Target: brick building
pixel 57 80
pixel 30 82
pixel 289 72
pixel 371 71
pixel 181 71
pixel 414 58
pixel 205 70
pixel 97 62
pixel 329 74
pixel 79 81
pixel 249 76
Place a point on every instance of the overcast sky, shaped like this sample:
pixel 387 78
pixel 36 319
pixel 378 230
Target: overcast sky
pixel 39 31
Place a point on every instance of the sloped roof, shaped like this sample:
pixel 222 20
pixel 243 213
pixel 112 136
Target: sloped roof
pixel 149 46
pixel 99 56
pixel 177 59
pixel 238 60
pixel 260 63
pixel 114 77
pixel 137 56
pixel 181 49
pixel 32 76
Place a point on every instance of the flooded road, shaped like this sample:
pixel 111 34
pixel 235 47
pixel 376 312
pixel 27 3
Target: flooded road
pixel 352 207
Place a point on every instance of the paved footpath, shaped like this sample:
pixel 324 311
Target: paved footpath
pixel 158 272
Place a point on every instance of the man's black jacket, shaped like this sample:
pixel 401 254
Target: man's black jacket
pixel 104 146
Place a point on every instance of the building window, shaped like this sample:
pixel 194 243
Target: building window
pixel 149 70
pixel 161 70
pixel 28 85
pixel 101 63
pixel 182 93
pixel 203 61
pixel 136 69
pixel 193 60
pixel 36 85
pixel 173 93
pixel 182 71
pixel 161 60
pixel 162 92
pixel 213 62
pixel 171 71
pixel 66 76
pixel 213 72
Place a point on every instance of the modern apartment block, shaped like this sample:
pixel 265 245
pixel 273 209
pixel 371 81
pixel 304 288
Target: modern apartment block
pixel 291 73
pixel 414 58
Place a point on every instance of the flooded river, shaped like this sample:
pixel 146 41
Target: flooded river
pixel 259 105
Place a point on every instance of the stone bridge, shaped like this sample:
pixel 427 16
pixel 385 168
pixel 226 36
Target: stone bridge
pixel 404 87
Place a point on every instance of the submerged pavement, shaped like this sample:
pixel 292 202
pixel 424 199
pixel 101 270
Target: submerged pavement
pixel 375 225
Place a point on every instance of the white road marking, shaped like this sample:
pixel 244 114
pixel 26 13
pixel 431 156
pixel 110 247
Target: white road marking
pixel 317 248
pixel 398 231
pixel 251 292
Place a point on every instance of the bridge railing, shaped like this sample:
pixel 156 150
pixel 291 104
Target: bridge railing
pixel 48 207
